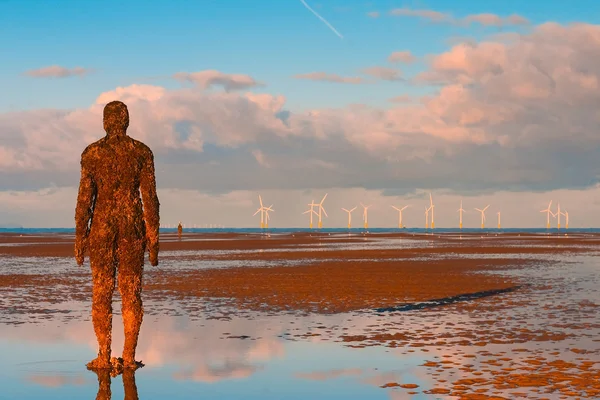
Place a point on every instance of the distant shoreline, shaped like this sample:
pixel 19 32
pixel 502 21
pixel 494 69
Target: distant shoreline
pixel 61 244
pixel 331 230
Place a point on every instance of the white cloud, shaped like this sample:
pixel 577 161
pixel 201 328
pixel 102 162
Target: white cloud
pixel 485 19
pixel 325 77
pixel 402 57
pixel 260 158
pixel 208 78
pixel 431 15
pixel 132 93
pixel 401 99
pixel 383 73
pixel 56 71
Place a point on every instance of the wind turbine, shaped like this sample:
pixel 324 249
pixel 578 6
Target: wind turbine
pixel 311 211
pixel 349 216
pixel 427 217
pixel 548 212
pixel 267 209
pixel 260 210
pixel 431 207
pixel 322 209
pixel 566 214
pixel 498 219
pixel 365 215
pixel 557 215
pixel 460 213
pixel 400 214
pixel 483 215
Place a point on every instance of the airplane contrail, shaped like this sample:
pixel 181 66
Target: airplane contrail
pixel 322 19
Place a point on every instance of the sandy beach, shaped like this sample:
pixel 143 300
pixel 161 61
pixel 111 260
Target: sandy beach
pixel 490 282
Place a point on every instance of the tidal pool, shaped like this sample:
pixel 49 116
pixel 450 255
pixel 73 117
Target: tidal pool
pixel 237 358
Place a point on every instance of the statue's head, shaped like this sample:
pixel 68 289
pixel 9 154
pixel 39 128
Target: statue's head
pixel 116 118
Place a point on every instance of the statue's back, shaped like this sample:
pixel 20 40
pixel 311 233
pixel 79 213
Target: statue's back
pixel 117 168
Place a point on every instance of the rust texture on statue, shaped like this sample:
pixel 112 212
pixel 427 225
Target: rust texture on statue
pixel 179 230
pixel 115 226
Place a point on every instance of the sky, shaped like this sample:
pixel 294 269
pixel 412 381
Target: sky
pixel 491 102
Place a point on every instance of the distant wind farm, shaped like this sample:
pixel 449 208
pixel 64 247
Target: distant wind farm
pixel 317 210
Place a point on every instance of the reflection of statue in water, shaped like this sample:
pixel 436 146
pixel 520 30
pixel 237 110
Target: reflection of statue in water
pixel 104 381
pixel 104 392
pixel 179 230
pixel 111 222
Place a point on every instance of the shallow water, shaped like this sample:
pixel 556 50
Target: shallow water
pixel 187 359
pixel 194 350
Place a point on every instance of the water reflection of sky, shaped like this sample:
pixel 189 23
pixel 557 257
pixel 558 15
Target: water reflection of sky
pixel 189 359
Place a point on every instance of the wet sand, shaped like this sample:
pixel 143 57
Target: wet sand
pixel 61 245
pixel 310 272
pixel 325 274
pixel 307 273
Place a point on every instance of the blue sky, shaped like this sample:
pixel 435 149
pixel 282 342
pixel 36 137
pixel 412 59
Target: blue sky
pixel 147 41
pixel 484 130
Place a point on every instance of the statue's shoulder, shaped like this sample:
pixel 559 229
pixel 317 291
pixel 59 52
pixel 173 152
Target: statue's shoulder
pixel 142 148
pixel 92 149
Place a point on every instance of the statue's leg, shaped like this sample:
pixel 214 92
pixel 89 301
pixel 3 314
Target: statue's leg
pixel 131 268
pixel 104 392
pixel 129 386
pixel 103 281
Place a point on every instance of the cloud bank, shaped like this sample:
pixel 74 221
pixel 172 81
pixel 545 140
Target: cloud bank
pixel 512 113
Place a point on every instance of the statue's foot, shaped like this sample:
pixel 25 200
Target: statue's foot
pixel 130 363
pixel 99 363
pixel 116 366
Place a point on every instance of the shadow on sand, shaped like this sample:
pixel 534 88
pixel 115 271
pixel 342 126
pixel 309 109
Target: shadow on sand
pixel 448 300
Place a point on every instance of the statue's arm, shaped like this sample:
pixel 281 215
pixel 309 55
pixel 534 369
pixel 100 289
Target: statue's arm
pixel 85 208
pixel 151 206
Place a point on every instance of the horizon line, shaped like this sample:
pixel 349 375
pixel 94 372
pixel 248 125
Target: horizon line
pixel 333 227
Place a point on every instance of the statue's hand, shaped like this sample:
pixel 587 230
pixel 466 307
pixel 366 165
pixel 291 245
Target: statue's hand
pixel 153 250
pixel 79 252
pixel 154 258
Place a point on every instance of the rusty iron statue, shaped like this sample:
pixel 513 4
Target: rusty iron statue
pixel 115 226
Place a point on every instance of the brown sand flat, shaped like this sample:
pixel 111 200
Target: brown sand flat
pixel 330 281
pixel 327 287
pixel 335 286
pixel 477 251
pixel 51 245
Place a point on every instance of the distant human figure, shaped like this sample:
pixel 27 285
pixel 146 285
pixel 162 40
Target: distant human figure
pixel 104 384
pixel 116 226
pixel 179 230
